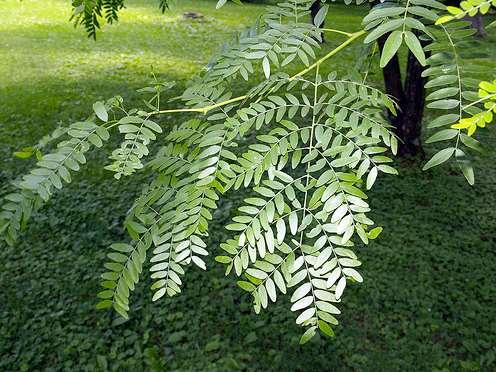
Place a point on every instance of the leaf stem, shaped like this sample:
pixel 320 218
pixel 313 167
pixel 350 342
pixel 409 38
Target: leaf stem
pixel 336 50
pixel 206 109
pixel 202 110
pixel 489 96
pixel 337 31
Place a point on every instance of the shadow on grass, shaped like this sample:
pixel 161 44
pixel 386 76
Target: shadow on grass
pixel 426 300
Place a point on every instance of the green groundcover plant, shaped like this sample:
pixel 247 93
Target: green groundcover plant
pixel 308 147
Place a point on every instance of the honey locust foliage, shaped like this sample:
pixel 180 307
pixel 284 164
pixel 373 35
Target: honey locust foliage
pixel 451 92
pixel 467 8
pixel 91 13
pixel 313 145
pixel 467 104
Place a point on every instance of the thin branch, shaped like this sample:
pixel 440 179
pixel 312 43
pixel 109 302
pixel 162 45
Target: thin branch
pixel 337 31
pixel 202 110
pixel 206 109
pixel 336 50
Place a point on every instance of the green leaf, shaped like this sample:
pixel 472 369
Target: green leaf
pixel 326 328
pixel 293 223
pixel 223 259
pixel 383 12
pixel 429 3
pixel 444 104
pixel 468 172
pixel 443 120
pixel 423 12
pixel 266 67
pixel 220 4
pixel 279 280
pixel 117 257
pixel 24 154
pixel 382 29
pixel 128 128
pixel 442 135
pixel 471 142
pixel 439 158
pixel 100 111
pixel 371 177
pixel 340 286
pixel 320 16
pixel 256 273
pixel 414 45
pixel 134 226
pixel 442 80
pixel 301 291
pixel 353 274
pixel 153 126
pixel 281 230
pixel 105 304
pixel 443 93
pixel 271 289
pixel 95 140
pixel 308 335
pixel 391 46
pixel 387 169
pixel 105 294
pixel 122 247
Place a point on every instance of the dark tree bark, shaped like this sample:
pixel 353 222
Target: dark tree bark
pixel 409 127
pixel 410 97
pixel 478 24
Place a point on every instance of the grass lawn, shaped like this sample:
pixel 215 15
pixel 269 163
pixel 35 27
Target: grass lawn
pixel 428 300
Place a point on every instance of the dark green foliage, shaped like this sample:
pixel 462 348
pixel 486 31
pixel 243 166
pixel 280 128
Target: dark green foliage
pixel 451 91
pixel 89 13
pixel 428 307
pixel 163 5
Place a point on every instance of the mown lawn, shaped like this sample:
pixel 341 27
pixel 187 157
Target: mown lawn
pixel 428 300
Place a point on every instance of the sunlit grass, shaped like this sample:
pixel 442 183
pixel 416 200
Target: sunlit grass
pixel 51 72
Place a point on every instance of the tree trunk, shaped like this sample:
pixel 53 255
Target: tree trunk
pixel 410 97
pixel 410 94
pixel 478 24
pixel 409 122
pixel 392 77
